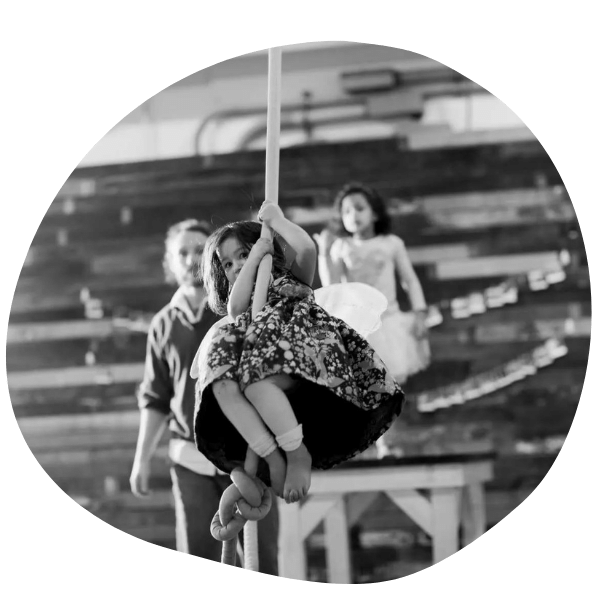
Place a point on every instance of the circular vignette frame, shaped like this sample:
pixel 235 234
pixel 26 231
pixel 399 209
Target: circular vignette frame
pixel 74 72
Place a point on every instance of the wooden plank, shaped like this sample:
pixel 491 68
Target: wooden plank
pixel 48 355
pixel 436 139
pixel 77 186
pixel 416 506
pixel 34 302
pixel 536 329
pixel 194 194
pixel 505 340
pixel 123 347
pixel 61 330
pixel 380 523
pixel 84 432
pixel 313 216
pixel 149 223
pixel 493 420
pixel 96 284
pixel 144 222
pixel 388 478
pixel 149 294
pixel 489 200
pixel 526 308
pixel 76 376
pixel 424 255
pixel 83 252
pixel 86 466
pixel 446 346
pixel 79 399
pixel 501 265
pixel 142 266
pixel 358 158
pixel 575 288
pixel 502 207
pixel 224 165
pixel 313 510
pixel 467 211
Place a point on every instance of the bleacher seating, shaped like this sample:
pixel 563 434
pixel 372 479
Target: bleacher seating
pixel 493 207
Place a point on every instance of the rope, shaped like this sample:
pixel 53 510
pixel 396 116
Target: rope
pixel 243 503
pixel 271 172
pixel 248 500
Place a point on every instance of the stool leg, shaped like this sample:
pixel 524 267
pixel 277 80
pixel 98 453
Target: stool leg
pixel 292 557
pixel 445 504
pixel 473 520
pixel 337 544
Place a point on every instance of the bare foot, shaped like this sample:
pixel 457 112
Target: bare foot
pixel 277 471
pixel 297 477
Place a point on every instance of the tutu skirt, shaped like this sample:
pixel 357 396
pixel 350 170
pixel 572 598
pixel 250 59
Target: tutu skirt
pixel 396 344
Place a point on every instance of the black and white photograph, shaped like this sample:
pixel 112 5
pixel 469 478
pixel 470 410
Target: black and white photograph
pixel 320 311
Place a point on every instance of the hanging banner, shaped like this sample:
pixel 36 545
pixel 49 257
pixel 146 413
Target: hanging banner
pixel 524 365
pixel 496 296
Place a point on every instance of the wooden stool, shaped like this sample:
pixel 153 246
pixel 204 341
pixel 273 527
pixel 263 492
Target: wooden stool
pixel 341 495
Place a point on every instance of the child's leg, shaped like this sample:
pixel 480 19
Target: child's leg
pixel 244 417
pixel 269 399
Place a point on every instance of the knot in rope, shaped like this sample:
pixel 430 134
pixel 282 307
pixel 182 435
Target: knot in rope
pixel 246 499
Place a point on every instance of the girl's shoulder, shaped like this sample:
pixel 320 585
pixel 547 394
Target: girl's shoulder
pixel 392 241
pixel 289 286
pixel 280 273
pixel 391 238
pixel 346 245
pixel 283 277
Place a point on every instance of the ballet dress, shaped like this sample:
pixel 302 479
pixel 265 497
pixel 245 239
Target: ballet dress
pixel 372 261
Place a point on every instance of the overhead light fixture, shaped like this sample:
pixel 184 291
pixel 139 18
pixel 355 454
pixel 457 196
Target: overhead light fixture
pixel 362 82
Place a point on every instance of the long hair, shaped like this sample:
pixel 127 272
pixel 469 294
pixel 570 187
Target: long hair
pixel 383 222
pixel 216 283
pixel 172 232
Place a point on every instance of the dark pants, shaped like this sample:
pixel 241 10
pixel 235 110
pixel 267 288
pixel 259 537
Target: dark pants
pixel 196 502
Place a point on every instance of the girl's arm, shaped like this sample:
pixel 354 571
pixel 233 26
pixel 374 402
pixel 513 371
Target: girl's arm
pixel 241 292
pixel 331 268
pixel 303 245
pixel 410 282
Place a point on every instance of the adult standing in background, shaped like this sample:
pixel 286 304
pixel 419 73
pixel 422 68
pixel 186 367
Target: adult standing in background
pixel 166 396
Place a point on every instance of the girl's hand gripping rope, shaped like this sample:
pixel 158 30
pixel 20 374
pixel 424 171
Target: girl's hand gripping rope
pixel 270 214
pixel 262 247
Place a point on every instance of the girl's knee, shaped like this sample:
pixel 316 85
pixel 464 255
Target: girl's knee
pixel 282 381
pixel 225 388
pixel 258 389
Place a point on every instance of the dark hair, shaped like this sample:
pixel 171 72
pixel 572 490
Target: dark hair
pixel 173 231
pixel 383 222
pixel 213 274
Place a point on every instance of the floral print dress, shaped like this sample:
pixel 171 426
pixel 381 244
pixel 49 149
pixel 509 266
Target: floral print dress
pixel 343 396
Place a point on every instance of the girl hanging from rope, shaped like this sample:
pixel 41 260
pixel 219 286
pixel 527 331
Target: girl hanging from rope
pixel 295 379
pixel 360 247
